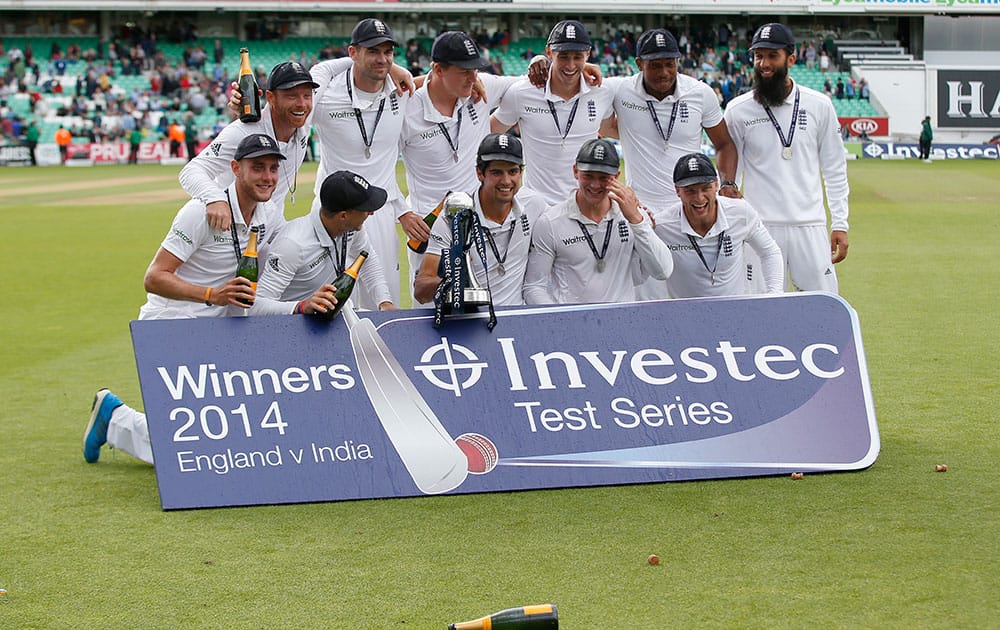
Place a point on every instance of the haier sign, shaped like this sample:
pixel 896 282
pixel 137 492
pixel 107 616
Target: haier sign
pixel 968 98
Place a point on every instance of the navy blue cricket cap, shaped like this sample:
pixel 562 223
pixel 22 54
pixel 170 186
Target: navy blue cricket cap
pixel 289 74
pixel 256 145
pixel 345 190
pixel 694 168
pixel 371 32
pixel 458 49
pixel 501 147
pixel 657 43
pixel 773 35
pixel 569 35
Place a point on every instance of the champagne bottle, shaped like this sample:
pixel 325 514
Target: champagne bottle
pixel 523 618
pixel 344 285
pixel 421 246
pixel 249 96
pixel 247 268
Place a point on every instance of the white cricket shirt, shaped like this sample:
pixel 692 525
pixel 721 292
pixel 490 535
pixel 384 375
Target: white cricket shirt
pixel 790 192
pixel 649 160
pixel 548 156
pixel 512 240
pixel 209 258
pixel 562 268
pixel 431 168
pixel 723 271
pixel 303 258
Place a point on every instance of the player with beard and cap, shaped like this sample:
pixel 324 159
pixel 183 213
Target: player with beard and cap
pixel 659 116
pixel 706 234
pixel 555 122
pixel 596 245
pixel 789 144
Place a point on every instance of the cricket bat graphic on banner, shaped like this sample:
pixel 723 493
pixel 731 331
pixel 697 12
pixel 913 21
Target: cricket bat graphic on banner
pixel 431 456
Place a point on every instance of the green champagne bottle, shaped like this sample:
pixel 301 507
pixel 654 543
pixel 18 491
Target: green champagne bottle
pixel 248 267
pixel 544 616
pixel 421 246
pixel 344 285
pixel 249 96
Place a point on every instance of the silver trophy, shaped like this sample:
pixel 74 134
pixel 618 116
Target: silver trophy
pixel 458 207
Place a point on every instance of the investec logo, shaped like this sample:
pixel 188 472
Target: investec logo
pixel 457 368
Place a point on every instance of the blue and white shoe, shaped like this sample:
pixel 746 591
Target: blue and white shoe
pixel 96 434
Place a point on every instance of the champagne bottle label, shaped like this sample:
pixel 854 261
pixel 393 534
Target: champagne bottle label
pixel 248 267
pixel 249 97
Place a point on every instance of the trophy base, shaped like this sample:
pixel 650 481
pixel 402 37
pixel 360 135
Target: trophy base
pixel 476 297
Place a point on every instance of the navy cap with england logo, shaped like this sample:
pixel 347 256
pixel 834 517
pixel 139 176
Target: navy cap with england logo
pixel 458 49
pixel 657 43
pixel 773 35
pixel 694 168
pixel 289 74
pixel 371 32
pixel 598 155
pixel 501 147
pixel 569 35
pixel 345 190
pixel 256 145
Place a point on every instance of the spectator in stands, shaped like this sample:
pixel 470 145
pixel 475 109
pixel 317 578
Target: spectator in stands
pixel 849 89
pixel 811 56
pixel 824 62
pixel 839 90
pixel 864 92
pixel 828 87
pixel 218 53
pixel 63 139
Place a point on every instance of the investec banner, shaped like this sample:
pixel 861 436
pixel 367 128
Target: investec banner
pixel 896 150
pixel 968 98
pixel 289 409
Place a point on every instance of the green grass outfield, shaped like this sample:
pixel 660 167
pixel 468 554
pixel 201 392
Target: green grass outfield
pixel 896 546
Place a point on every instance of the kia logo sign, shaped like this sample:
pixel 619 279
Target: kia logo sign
pixel 863 125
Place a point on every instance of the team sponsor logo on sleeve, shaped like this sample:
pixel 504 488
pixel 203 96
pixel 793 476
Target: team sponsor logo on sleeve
pixel 216 148
pixel 184 237
pixel 274 262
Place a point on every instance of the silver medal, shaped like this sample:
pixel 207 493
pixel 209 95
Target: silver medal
pixel 500 268
pixel 293 199
pixel 454 155
pixel 600 265
pixel 786 153
pixel 368 153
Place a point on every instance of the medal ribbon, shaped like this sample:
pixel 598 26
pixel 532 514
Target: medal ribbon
pixel 791 130
pixel 569 122
pixel 656 121
pixel 590 241
pixel 718 255
pixel 458 132
pixel 361 123
pixel 493 244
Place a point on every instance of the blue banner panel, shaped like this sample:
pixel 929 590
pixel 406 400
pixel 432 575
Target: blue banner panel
pixel 247 411
pixel 897 150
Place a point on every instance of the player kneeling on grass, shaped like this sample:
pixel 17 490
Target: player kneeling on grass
pixel 193 275
pixel 706 233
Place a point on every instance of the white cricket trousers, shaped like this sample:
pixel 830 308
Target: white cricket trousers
pixel 128 431
pixel 806 251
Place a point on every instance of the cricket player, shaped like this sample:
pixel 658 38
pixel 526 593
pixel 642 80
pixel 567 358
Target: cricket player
pixel 597 244
pixel 555 122
pixel 506 216
pixel 706 234
pixel 788 139
pixel 312 251
pixel 193 275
